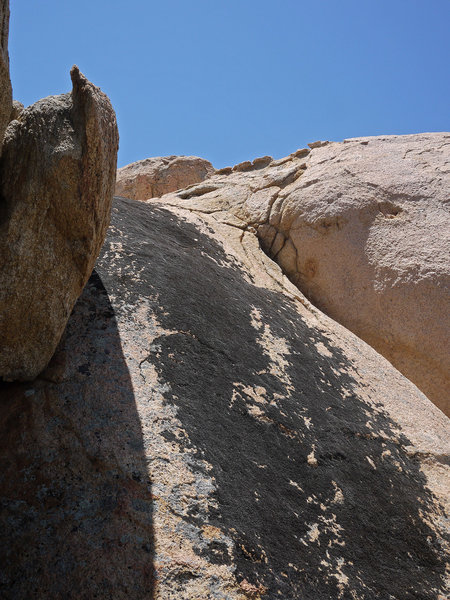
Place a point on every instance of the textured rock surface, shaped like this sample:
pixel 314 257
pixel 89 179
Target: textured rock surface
pixel 363 229
pixel 57 175
pixel 17 108
pixel 153 177
pixel 5 82
pixel 202 433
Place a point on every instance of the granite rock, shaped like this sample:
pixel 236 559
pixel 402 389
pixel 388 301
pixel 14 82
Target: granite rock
pixel 17 108
pixel 204 432
pixel 57 174
pixel 153 177
pixel 362 228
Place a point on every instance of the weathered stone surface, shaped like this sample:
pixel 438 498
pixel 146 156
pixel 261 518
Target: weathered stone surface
pixel 153 177
pixel 363 229
pixel 5 82
pixel 204 433
pixel 57 175
pixel 17 108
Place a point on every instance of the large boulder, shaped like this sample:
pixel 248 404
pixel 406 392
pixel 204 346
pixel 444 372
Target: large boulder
pixel 57 174
pixel 153 177
pixel 363 229
pixel 204 432
pixel 5 82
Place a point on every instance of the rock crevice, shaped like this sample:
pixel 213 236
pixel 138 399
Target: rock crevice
pixel 209 436
pixel 362 229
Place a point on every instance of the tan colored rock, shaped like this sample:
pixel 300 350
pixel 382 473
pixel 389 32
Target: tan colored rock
pixel 57 175
pixel 17 108
pixel 208 434
pixel 153 177
pixel 5 82
pixel 363 229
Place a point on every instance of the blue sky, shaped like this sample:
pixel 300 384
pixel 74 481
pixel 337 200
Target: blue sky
pixel 236 79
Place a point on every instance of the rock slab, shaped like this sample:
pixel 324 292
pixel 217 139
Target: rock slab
pixel 202 434
pixel 362 228
pixel 57 174
pixel 153 177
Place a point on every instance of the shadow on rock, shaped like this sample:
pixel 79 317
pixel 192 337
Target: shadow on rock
pixel 312 484
pixel 75 501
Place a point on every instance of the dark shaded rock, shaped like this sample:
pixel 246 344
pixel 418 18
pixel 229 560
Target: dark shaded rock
pixel 57 174
pixel 209 436
pixel 362 228
pixel 69 503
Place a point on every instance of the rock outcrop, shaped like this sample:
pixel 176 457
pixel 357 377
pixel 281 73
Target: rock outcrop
pixel 5 82
pixel 17 108
pixel 363 229
pixel 153 177
pixel 57 174
pixel 204 432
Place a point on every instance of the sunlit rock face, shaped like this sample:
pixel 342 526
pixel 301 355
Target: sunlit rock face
pixel 204 432
pixel 153 177
pixel 362 228
pixel 57 174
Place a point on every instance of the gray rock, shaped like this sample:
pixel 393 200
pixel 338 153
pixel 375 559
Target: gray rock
pixel 153 177
pixel 57 174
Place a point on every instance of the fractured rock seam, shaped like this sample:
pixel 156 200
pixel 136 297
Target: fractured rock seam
pixel 350 192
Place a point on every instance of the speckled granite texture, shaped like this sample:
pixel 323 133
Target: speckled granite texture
pixel 204 433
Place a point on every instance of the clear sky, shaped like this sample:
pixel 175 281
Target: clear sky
pixel 230 80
